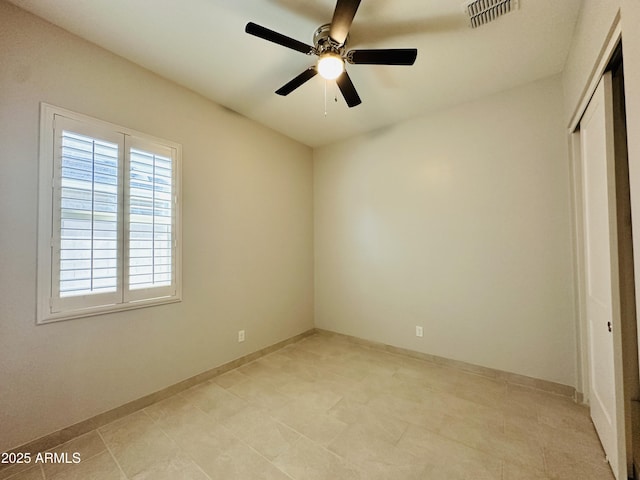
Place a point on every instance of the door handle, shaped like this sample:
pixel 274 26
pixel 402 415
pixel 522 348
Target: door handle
pixel 609 326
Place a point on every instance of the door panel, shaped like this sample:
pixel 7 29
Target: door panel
pixel 601 272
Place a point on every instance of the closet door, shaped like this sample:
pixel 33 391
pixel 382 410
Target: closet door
pixel 601 270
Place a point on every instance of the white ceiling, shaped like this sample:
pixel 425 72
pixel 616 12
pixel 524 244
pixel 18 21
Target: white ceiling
pixel 201 44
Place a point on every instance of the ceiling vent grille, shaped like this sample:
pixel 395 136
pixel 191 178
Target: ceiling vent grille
pixel 484 11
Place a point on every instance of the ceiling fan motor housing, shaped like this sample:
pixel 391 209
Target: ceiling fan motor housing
pixel 323 43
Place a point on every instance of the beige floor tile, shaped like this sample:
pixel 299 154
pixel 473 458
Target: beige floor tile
pixel 373 363
pixel 527 399
pixel 176 467
pixel 260 431
pixel 31 473
pixel 240 462
pixel 276 360
pixel 257 368
pixel 567 446
pixel 86 446
pixel 173 407
pixel 381 471
pixel 478 389
pixel 389 383
pixel 463 470
pixel 137 443
pixel 316 397
pixel 470 432
pixel 267 372
pixel 277 378
pixel 411 412
pixel 300 355
pixel 346 368
pixel 367 446
pixel 493 440
pixel 430 375
pixel 309 372
pixel 525 452
pixel 12 470
pixel 518 472
pixel 464 409
pixel 229 379
pixel 517 423
pixel 195 432
pixel 100 467
pixel 359 392
pixel 449 459
pixel 319 427
pixel 356 413
pixel 348 409
pixel 324 348
pixel 566 415
pixel 306 460
pixel 215 401
pixel 260 394
pixel 297 386
pixel 563 466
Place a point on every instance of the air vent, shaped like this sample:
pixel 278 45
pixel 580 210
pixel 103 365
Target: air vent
pixel 484 11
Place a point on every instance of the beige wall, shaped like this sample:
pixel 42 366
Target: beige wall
pixel 458 222
pixel 248 238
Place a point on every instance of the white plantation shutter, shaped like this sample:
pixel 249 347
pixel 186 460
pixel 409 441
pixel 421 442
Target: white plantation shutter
pixel 109 218
pixel 151 219
pixel 86 236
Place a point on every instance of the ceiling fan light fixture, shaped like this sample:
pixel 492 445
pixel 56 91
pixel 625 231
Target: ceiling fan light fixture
pixel 330 66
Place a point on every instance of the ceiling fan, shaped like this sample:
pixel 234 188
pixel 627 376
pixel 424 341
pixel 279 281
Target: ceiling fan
pixel 329 44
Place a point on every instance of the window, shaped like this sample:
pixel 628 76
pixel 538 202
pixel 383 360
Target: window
pixel 109 218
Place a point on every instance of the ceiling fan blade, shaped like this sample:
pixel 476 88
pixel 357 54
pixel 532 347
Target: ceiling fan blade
pixel 342 19
pixel 393 56
pixel 304 77
pixel 278 38
pixel 348 90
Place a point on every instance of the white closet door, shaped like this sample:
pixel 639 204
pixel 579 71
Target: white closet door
pixel 601 270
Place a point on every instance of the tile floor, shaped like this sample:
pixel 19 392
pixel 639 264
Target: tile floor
pixel 327 409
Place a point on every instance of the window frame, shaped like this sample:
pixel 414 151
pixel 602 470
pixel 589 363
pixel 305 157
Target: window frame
pixel 48 201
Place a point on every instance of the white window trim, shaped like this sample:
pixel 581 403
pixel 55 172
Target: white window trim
pixel 45 269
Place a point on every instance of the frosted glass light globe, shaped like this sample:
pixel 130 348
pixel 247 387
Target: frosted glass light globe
pixel 330 66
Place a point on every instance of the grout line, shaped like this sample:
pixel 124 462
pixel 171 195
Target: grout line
pixel 406 427
pixel 269 413
pixel 20 472
pixel 83 458
pixel 158 424
pixel 270 462
pixel 112 455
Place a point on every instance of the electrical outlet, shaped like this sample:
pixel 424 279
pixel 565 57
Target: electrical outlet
pixel 419 332
pixel 240 335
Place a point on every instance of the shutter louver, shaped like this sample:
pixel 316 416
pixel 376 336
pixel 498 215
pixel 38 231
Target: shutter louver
pixel 151 219
pixel 88 216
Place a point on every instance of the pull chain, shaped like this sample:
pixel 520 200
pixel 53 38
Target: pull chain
pixel 335 94
pixel 325 98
